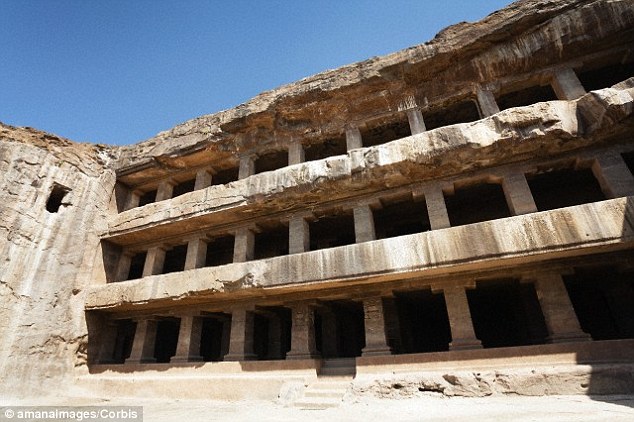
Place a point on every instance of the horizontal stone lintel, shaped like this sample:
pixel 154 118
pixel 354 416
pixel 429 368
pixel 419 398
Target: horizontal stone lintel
pixel 429 155
pixel 573 231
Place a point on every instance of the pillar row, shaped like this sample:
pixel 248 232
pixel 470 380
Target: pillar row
pixel 241 337
pixel 196 253
pixel 436 208
pixel 144 341
pixel 303 344
pixel 299 235
pixel 486 102
pixel 295 153
pixel 154 260
pixel 244 245
pixel 460 321
pixel 566 84
pixel 353 138
pixel 123 266
pixel 613 175
pixel 416 122
pixel 203 179
pixel 363 224
pixel 518 194
pixel 189 334
pixel 561 319
pixel 247 166
pixel 165 190
pixel 375 328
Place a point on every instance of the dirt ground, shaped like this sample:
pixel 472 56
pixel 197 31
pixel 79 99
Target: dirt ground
pixel 422 408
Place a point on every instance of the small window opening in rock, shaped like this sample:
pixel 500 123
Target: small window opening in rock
pixel 147 198
pixel 400 216
pixel 328 148
pixel 477 203
pixel 385 132
pixel 332 230
pixel 271 161
pixel 225 176
pixel 564 188
pixel 184 187
pixel 606 76
pixel 56 198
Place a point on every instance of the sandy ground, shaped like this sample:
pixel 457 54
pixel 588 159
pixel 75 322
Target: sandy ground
pixel 423 408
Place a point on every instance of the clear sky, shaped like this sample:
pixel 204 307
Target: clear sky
pixel 120 71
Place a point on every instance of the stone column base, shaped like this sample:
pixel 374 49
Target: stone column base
pixel 465 344
pixel 185 359
pixel 569 337
pixel 376 351
pixel 236 358
pixel 297 356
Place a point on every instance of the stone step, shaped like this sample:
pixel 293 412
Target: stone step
pixel 338 363
pixel 329 385
pixel 317 403
pixel 337 371
pixel 335 394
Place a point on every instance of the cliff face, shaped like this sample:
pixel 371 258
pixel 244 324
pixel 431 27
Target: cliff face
pixel 47 257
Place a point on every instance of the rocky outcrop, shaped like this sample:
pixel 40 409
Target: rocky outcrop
pixel 48 258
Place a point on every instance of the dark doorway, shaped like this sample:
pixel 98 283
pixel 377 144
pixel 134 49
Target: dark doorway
pixel 423 322
pixel 271 161
pixel 328 148
pixel 137 262
pixel 332 229
pixel 526 96
pixel 123 343
pixel 382 133
pixel 505 313
pixel 175 259
pixel 214 339
pixel 476 203
pixel 183 188
pixel 166 339
pixel 220 251
pixel 399 217
pixel 340 329
pixel 606 76
pixel 452 114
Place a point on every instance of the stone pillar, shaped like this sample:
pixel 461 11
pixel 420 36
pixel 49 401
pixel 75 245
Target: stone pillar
pixel 247 166
pixel 363 224
pixel 132 201
pixel 144 340
pixel 329 333
pixel 241 340
pixel 275 337
pixel 436 208
pixel 462 332
pixel 566 84
pixel 299 235
pixel 196 253
pixel 303 332
pixel 560 317
pixel 416 122
pixel 154 261
pixel 486 103
pixel 165 190
pixel 107 340
pixel 518 194
pixel 123 266
pixel 353 138
pixel 244 245
pixel 613 175
pixel 203 179
pixel 295 153
pixel 375 328
pixel 189 334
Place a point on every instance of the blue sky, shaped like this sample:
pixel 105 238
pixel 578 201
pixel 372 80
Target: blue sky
pixel 120 71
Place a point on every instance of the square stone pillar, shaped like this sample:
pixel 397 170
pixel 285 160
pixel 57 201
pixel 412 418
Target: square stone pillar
pixel 298 235
pixel 303 332
pixel 295 153
pixel 189 334
pixel 486 103
pixel 154 261
pixel 144 342
pixel 123 266
pixel 241 339
pixel 107 342
pixel 196 253
pixel 416 122
pixel 462 332
pixel 375 329
pixel 353 138
pixel 566 84
pixel 561 319
pixel 203 179
pixel 165 190
pixel 613 175
pixel 518 194
pixel 247 166
pixel 435 203
pixel 244 245
pixel 132 201
pixel 363 223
